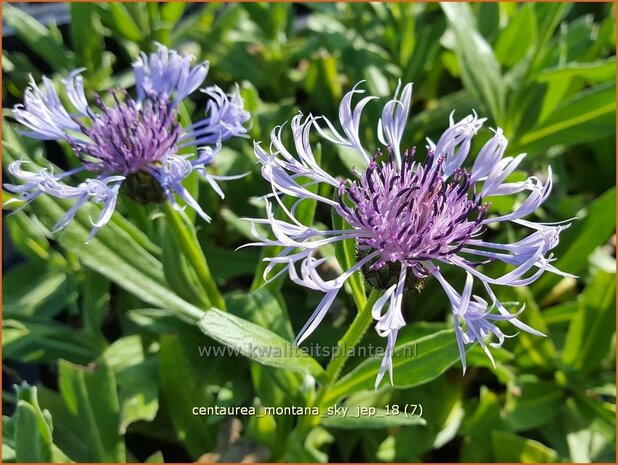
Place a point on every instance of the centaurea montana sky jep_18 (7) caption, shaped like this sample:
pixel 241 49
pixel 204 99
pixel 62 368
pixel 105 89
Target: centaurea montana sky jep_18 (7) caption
pixel 134 143
pixel 408 218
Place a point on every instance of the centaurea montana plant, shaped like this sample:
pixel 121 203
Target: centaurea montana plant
pixel 408 218
pixel 135 142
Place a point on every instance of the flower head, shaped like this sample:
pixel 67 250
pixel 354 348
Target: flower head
pixel 134 142
pixel 409 217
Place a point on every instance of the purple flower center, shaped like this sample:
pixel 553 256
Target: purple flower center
pixel 410 214
pixel 129 137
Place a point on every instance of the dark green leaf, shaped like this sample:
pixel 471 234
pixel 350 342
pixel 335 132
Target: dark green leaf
pixel 580 240
pixel 38 38
pixel 180 393
pixel 125 23
pixel 414 363
pixel 591 331
pixel 586 117
pixel 532 403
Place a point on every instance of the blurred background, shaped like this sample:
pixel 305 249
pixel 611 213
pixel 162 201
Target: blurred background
pixel 544 72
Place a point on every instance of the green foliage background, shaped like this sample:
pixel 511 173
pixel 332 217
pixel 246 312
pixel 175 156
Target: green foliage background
pixel 109 330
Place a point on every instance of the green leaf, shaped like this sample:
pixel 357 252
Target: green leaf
pixel 115 255
pixel 426 49
pixel 434 119
pixel 592 329
pixel 594 72
pixel 480 71
pixel 531 403
pixel 28 237
pixel 171 12
pixel 576 434
pixel 31 443
pixel 257 343
pixel 588 116
pixel 28 288
pixel 157 457
pixel 96 296
pixel 310 448
pixel 509 447
pixel 273 386
pixel 38 38
pixel 478 425
pixel 32 428
pixel 137 378
pixel 88 41
pixel 90 395
pixel 261 308
pixel 33 339
pixel 125 23
pixel 228 264
pixel 356 419
pixel 518 37
pixel 580 240
pixel 180 393
pixel 322 82
pixel 432 355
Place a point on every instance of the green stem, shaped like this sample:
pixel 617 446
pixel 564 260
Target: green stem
pixel 350 339
pixel 192 250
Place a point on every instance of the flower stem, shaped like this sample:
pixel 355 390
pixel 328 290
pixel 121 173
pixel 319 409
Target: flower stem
pixel 350 339
pixel 192 250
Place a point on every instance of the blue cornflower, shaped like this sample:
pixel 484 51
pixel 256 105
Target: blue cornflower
pixel 134 143
pixel 408 218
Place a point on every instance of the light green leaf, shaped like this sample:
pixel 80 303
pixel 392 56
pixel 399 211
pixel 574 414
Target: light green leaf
pixel 588 116
pixel 261 308
pixel 157 457
pixel 257 343
pixel 518 37
pixel 32 428
pixel 96 296
pixel 28 238
pixel 509 447
pixel 124 22
pixel 171 12
pixel 354 419
pixel 28 288
pixel 480 71
pixel 38 38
